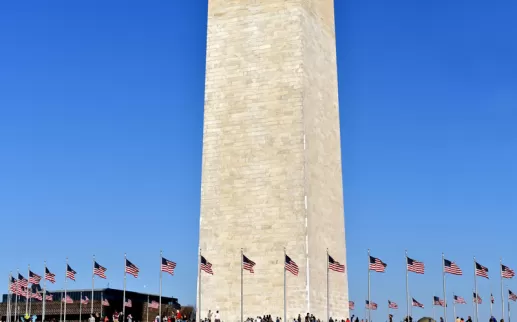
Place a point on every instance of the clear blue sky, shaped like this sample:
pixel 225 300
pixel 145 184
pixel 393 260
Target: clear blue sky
pixel 101 112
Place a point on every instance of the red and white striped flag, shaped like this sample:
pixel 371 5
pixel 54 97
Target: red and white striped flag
pixel 351 305
pixel 392 305
pixel 507 272
pixel 335 265
pixel 415 266
pixel 451 268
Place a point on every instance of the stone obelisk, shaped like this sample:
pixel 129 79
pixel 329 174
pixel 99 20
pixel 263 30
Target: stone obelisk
pixel 271 176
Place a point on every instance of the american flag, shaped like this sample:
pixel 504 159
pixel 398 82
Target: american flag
pixel 335 266
pixel 512 296
pixel 492 298
pixel 70 273
pixel 49 297
pixel 22 291
pixel 477 297
pixel 417 304
pixel 247 264
pixel 507 272
pixel 415 266
pixel 451 267
pixel 459 300
pixel 99 270
pixel 372 306
pixel 85 300
pixel 377 265
pixel 481 270
pixel 128 303
pixel 206 266
pixel 67 300
pixel 168 266
pixel 291 266
pixel 37 296
pixel 105 303
pixel 34 278
pixel 437 301
pixel 49 276
pixel 22 281
pixel 351 305
pixel 132 269
pixel 154 305
pixel 13 284
pixel 392 305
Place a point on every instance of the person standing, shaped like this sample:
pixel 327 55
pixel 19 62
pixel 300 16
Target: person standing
pixel 217 317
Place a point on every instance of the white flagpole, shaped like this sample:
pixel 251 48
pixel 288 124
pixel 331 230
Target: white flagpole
pixel 124 296
pixel 93 284
pixel 434 315
pixel 328 313
pixel 242 276
pixel 453 307
pixel 369 299
pixel 16 299
pixel 61 308
pixel 444 291
pixel 508 300
pixel 407 289
pixel 199 285
pixel 16 308
pixel 66 271
pixel 44 292
pixel 476 289
pixel 161 259
pixel 8 309
pixel 502 287
pixel 147 316
pixel 27 298
pixel 81 307
pixel 285 287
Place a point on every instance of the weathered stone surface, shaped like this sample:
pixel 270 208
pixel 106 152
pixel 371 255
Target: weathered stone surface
pixel 271 159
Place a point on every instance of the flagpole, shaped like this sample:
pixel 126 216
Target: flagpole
pixel 434 315
pixel 93 283
pixel 61 308
pixel 328 314
pixel 102 306
pixel 285 287
pixel 8 308
pixel 16 299
pixel 242 276
pixel 444 291
pixel 491 300
pixel 453 307
pixel 475 287
pixel 369 300
pixel 147 317
pixel 407 289
pixel 199 285
pixel 16 307
pixel 502 287
pixel 66 271
pixel 161 259
pixel 81 306
pixel 27 298
pixel 508 300
pixel 124 296
pixel 30 302
pixel 44 292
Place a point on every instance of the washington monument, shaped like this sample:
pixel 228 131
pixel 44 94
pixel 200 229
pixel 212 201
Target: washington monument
pixel 271 177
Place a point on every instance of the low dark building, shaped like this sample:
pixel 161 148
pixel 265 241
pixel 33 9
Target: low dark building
pixel 54 309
